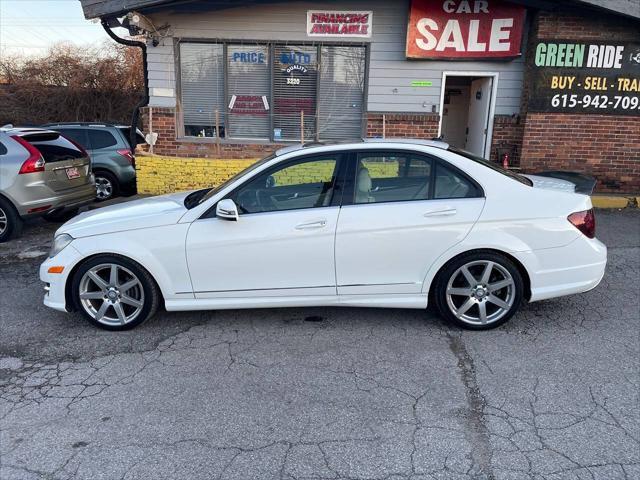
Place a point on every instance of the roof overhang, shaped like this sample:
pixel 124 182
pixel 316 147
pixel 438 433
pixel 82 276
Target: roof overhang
pixel 114 8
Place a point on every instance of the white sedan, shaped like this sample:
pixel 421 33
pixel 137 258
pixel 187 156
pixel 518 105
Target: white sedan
pixel 387 223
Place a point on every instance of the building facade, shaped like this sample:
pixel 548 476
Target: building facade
pixel 537 85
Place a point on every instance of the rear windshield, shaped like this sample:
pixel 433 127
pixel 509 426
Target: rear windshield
pixel 56 150
pixel 492 165
pixel 139 138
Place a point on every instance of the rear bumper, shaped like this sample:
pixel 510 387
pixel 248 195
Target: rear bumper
pixel 58 201
pixel 574 268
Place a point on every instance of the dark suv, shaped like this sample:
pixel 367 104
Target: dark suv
pixel 112 155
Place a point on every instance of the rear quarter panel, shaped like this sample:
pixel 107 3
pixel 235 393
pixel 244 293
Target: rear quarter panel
pixel 516 218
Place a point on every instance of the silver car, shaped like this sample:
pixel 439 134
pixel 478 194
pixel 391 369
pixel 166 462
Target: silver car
pixel 41 173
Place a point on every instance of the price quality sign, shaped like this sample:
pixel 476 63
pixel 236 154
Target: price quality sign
pixel 592 78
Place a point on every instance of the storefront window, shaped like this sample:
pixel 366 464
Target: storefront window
pixel 202 86
pixel 248 91
pixel 341 95
pixel 270 89
pixel 294 91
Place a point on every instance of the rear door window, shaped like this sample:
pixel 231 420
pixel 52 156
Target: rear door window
pixel 78 135
pixel 3 149
pixel 451 184
pixel 101 139
pixel 392 177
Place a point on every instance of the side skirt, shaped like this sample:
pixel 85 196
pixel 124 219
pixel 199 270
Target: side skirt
pixel 379 301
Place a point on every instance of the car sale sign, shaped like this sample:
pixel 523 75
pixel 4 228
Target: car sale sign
pixel 464 29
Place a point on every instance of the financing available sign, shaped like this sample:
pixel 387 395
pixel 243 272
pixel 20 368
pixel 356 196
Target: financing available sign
pixel 464 29
pixel 586 77
pixel 339 23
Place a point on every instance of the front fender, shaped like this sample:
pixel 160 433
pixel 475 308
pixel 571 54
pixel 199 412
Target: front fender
pixel 152 248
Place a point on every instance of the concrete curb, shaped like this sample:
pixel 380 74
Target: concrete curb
pixel 613 201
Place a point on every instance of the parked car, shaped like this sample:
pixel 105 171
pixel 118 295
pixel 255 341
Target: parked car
pixel 112 155
pixel 392 223
pixel 41 173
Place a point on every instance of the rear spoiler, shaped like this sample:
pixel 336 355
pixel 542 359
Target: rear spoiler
pixel 584 183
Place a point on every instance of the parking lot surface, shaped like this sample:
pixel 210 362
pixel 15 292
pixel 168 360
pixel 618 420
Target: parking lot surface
pixel 323 393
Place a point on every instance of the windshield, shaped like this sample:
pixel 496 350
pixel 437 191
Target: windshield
pixel 237 176
pixel 492 165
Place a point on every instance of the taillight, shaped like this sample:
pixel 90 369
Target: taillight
pixel 584 221
pixel 128 155
pixel 35 162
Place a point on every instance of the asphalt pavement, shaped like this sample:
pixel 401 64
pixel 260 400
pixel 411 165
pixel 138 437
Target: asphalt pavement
pixel 323 393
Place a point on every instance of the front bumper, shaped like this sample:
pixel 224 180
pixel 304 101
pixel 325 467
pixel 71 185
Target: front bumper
pixel 55 283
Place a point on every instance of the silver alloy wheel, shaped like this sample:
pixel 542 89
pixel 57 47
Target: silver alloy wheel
pixel 481 292
pixel 104 188
pixel 111 294
pixel 4 221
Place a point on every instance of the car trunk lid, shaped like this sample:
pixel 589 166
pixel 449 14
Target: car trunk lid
pixel 564 181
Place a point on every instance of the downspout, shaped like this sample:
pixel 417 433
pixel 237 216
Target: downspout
pixel 145 101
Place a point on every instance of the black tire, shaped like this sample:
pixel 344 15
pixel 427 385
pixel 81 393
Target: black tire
pixel 62 216
pixel 503 269
pixel 104 178
pixel 148 286
pixel 10 221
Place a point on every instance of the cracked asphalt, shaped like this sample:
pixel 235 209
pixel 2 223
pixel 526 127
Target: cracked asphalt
pixel 323 393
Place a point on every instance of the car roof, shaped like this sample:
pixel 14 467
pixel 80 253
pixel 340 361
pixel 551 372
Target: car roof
pixel 25 130
pixel 85 124
pixel 391 142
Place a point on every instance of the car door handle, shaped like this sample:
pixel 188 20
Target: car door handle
pixel 443 212
pixel 311 225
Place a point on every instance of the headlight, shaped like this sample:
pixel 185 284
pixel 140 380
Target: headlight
pixel 59 243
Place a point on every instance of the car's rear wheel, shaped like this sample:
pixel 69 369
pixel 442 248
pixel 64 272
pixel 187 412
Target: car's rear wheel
pixel 114 292
pixel 107 186
pixel 479 290
pixel 10 221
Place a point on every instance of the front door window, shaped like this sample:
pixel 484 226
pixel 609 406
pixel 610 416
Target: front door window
pixel 308 183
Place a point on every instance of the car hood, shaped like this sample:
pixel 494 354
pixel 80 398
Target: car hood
pixel 551 183
pixel 142 213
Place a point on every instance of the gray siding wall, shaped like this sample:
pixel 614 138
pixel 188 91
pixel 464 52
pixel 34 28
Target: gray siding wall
pixel 390 74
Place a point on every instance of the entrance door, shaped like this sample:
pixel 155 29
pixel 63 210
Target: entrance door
pixel 478 120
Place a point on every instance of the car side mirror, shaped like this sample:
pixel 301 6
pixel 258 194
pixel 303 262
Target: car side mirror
pixel 227 209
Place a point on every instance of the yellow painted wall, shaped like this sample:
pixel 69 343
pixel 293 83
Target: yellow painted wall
pixel 158 174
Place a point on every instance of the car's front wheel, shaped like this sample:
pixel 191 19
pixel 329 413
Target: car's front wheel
pixel 114 292
pixel 479 290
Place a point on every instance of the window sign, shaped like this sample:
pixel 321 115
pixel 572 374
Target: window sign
pixel 294 90
pixel 248 90
pixel 339 23
pixel 464 29
pixel 595 77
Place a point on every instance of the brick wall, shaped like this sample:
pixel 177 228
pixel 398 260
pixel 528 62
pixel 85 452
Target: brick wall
pixel 168 144
pixel 507 134
pixel 606 146
pixel 402 125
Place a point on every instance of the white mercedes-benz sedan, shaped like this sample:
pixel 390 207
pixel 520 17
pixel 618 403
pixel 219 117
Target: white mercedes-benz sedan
pixel 386 223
